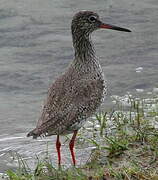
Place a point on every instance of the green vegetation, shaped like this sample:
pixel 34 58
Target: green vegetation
pixel 124 141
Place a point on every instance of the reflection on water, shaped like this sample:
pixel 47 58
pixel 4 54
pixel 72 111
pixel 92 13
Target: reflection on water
pixel 35 47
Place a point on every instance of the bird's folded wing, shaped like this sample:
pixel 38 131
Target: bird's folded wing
pixel 66 105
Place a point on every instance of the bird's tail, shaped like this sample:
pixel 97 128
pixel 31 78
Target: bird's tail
pixel 33 133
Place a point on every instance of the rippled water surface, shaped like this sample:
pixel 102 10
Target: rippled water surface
pixel 35 47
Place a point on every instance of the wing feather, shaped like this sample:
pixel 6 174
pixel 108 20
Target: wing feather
pixel 69 105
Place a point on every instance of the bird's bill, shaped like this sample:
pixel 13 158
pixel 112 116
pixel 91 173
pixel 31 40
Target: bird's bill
pixel 108 26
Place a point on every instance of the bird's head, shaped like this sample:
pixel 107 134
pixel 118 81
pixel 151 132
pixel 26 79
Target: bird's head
pixel 86 22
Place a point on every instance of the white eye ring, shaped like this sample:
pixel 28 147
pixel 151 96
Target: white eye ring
pixel 92 18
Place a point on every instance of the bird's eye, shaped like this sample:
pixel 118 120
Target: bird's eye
pixel 92 19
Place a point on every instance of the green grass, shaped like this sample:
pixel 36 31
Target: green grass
pixel 124 141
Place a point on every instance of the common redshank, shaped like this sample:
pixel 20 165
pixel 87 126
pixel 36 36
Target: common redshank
pixel 76 94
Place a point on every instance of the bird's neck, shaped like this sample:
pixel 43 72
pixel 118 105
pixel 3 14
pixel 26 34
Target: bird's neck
pixel 83 46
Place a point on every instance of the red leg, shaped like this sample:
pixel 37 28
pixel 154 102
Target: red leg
pixel 58 145
pixel 71 146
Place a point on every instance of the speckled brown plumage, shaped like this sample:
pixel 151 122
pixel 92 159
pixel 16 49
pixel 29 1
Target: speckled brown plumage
pixel 76 94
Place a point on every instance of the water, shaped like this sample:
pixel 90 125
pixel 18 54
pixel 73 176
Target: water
pixel 35 47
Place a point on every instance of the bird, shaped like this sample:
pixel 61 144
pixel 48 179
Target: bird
pixel 77 93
